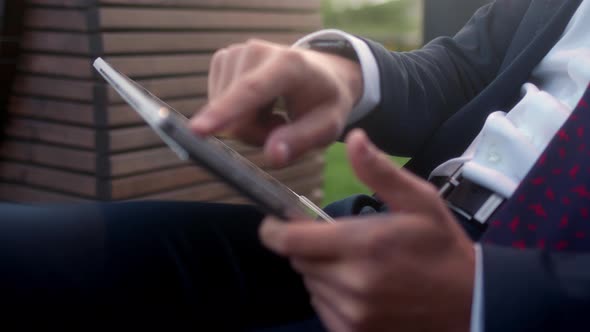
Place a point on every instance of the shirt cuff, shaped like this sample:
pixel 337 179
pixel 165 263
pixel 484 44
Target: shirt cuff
pixel 477 310
pixel 372 85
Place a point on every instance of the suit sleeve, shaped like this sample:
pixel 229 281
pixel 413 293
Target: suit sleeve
pixel 421 89
pixel 534 290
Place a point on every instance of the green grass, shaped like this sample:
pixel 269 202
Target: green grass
pixel 340 181
pixel 379 22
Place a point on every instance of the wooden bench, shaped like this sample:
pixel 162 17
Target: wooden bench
pixel 72 138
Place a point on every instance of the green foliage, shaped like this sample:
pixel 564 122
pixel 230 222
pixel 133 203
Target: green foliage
pixel 339 177
pixel 380 22
pixel 387 23
pixel 340 181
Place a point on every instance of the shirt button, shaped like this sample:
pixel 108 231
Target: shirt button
pixel 528 136
pixel 494 157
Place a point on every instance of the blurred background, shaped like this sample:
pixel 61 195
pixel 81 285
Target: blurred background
pixel 398 24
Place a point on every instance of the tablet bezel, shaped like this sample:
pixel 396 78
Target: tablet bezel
pixel 268 193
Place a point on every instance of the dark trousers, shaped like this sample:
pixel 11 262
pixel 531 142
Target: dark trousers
pixel 173 266
pixel 181 266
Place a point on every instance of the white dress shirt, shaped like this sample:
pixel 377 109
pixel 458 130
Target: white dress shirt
pixel 510 142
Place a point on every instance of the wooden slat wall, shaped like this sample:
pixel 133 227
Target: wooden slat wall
pixel 166 19
pixel 307 5
pixel 83 113
pixel 141 42
pixel 73 138
pixel 141 183
pixel 25 193
pixel 136 66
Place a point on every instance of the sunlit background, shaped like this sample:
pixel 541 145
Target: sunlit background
pixel 395 23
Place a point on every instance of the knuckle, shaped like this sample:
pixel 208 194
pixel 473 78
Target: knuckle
pixel 252 86
pixel 217 62
pixel 254 42
pixel 234 49
pixel 293 56
pixel 293 61
pixel 256 46
pixel 219 55
pixel 254 52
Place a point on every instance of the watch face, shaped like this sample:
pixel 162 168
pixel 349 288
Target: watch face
pixel 337 47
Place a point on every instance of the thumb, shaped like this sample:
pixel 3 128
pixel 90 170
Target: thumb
pixel 398 188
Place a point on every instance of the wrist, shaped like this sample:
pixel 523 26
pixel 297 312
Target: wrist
pixel 352 76
pixel 346 75
pixel 345 45
pixel 347 63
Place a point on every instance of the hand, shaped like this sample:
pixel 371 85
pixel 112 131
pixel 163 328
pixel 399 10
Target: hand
pixel 411 270
pixel 319 91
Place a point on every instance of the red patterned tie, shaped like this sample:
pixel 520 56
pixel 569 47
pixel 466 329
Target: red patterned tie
pixel 551 207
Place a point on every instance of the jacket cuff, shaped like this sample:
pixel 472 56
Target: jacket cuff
pixel 520 294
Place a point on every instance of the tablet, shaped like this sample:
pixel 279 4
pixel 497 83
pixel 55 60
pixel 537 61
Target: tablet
pixel 269 194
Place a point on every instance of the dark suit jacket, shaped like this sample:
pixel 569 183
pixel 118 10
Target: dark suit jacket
pixel 434 103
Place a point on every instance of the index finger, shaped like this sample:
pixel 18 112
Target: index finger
pixel 314 240
pixel 251 93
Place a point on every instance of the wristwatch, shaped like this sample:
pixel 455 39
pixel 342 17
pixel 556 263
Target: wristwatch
pixel 339 47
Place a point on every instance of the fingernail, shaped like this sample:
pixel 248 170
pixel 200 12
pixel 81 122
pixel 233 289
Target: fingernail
pixel 282 152
pixel 201 123
pixel 269 231
pixel 362 148
pixel 365 149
